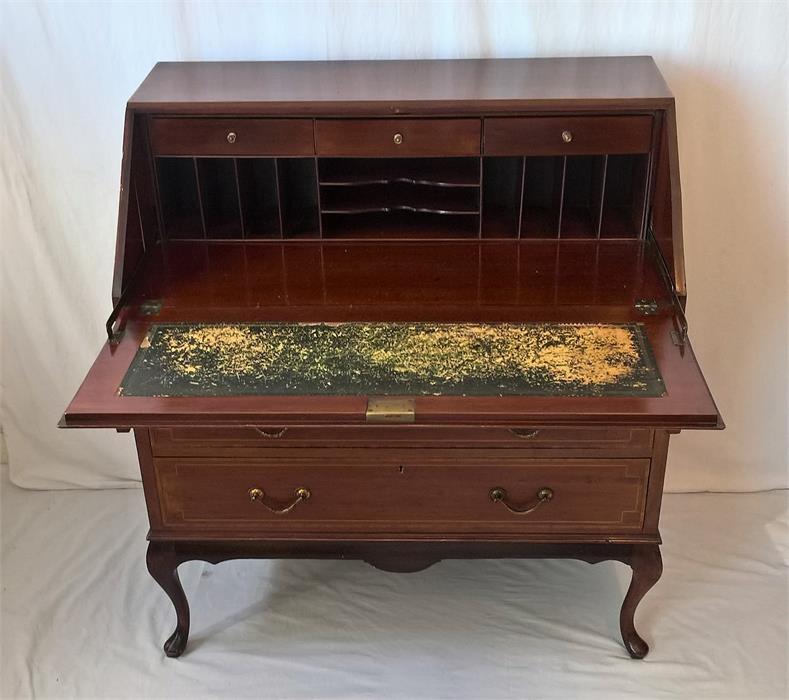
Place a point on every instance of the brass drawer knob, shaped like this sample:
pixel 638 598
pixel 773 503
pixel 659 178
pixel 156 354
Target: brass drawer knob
pixel 398 139
pixel 259 496
pixel 499 495
pixel 231 137
pixel 567 136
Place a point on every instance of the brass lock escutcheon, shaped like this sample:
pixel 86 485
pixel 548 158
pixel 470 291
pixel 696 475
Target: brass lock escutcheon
pixel 398 139
pixel 385 409
pixel 567 136
pixel 499 495
pixel 259 495
pixel 231 137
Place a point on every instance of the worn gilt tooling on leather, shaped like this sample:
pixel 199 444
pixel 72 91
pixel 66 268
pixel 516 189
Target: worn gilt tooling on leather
pixel 394 358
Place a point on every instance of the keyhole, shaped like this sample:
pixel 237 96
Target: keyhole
pixel 401 469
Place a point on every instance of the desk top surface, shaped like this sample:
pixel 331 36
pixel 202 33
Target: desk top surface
pixel 407 87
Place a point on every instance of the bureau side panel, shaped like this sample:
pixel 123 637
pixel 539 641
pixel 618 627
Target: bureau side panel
pixel 655 485
pixel 142 438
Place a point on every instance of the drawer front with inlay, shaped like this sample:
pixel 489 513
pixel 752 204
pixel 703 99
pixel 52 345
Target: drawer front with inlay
pixel 381 491
pixel 398 137
pixel 206 441
pixel 231 137
pixel 546 136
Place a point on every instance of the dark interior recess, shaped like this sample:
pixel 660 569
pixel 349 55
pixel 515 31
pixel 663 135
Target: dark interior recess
pixel 542 196
pixel 583 189
pixel 219 197
pixel 258 190
pixel 625 196
pixel 298 197
pixel 180 204
pixel 501 195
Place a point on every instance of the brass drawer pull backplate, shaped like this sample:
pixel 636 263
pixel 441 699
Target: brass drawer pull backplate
pixel 499 495
pixel 301 494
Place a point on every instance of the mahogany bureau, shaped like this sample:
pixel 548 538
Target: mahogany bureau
pixel 458 207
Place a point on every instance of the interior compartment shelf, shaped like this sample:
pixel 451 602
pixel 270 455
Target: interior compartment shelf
pixel 399 196
pixel 441 172
pixel 399 224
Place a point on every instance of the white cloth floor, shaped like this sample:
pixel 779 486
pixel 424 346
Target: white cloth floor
pixel 82 618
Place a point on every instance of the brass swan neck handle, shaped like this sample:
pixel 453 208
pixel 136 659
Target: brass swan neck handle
pixel 499 495
pixel 258 495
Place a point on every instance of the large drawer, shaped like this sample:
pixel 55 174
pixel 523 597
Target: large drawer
pixel 172 136
pixel 246 441
pixel 546 136
pixel 380 491
pixel 398 137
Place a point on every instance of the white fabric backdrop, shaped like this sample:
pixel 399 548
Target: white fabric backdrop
pixel 67 70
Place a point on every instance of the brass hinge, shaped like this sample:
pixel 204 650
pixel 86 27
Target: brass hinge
pixel 680 335
pixel 383 409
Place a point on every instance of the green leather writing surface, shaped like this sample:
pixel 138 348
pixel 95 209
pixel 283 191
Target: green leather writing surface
pixel 503 359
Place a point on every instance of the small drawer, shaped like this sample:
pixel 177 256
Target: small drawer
pixel 398 137
pixel 171 136
pixel 548 136
pixel 380 492
pixel 240 441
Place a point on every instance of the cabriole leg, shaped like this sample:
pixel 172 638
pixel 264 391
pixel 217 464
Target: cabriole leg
pixel 647 566
pixel 163 566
